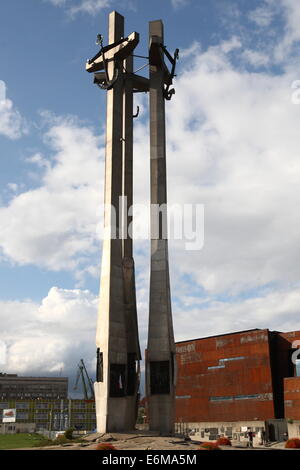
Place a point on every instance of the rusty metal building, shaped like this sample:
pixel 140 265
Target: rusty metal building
pixel 245 376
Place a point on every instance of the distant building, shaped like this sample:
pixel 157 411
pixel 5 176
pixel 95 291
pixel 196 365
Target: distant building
pixel 14 387
pixel 229 383
pixel 50 415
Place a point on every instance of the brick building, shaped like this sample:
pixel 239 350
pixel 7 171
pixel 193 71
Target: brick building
pixel 236 378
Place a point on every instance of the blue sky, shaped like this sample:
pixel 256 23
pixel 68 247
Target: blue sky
pixel 233 145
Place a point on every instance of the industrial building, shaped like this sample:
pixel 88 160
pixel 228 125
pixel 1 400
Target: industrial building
pixel 48 415
pixel 13 386
pixel 231 383
pixel 30 404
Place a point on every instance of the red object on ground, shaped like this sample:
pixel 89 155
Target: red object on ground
pixel 209 446
pixel 105 446
pixel 293 443
pixel 223 441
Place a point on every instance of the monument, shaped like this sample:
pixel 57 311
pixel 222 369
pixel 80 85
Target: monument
pixel 117 340
pixel 160 358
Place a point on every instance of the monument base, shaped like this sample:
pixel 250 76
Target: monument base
pixel 114 414
pixel 161 414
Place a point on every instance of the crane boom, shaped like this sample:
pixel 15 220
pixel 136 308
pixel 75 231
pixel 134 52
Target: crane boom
pixel 90 382
pixel 87 382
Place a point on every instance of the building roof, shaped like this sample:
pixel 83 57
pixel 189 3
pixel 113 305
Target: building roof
pixel 225 334
pixel 20 377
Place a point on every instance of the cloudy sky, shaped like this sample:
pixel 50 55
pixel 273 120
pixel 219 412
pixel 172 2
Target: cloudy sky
pixel 233 146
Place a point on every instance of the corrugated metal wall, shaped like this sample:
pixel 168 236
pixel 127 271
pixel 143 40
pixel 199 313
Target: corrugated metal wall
pixel 225 378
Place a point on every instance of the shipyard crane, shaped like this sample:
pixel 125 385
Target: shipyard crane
pixel 87 382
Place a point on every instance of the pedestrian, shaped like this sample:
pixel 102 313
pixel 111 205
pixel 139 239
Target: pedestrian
pixel 263 437
pixel 250 438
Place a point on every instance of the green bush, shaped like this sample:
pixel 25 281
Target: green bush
pixel 69 433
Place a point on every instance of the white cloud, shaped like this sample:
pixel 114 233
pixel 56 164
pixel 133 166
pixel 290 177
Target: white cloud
pixel 57 3
pixel 273 310
pixel 91 7
pixel 12 125
pixel 55 334
pixel 282 44
pixel 255 58
pixel 291 11
pixel 179 3
pixel 233 144
pixel 262 16
pixel 43 338
pixel 230 45
pixel 73 7
pixel 54 225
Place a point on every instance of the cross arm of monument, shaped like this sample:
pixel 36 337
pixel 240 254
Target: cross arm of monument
pixel 117 51
pixel 140 84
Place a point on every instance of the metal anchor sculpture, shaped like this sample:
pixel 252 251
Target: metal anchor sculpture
pixel 107 84
pixel 167 92
pixel 116 52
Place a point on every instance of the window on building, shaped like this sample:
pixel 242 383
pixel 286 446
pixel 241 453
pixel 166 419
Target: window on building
pixel 79 405
pixel 22 405
pixel 220 398
pixel 3 405
pixel 246 397
pixel 21 415
pixel 40 416
pixel 216 367
pixel 229 359
pixel 42 406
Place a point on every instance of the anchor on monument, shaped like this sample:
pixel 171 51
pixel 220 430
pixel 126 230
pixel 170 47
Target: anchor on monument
pixel 116 52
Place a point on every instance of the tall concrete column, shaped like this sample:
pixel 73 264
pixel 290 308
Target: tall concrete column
pixel 111 337
pixel 160 360
pixel 133 347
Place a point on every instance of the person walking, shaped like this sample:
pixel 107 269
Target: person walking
pixel 250 439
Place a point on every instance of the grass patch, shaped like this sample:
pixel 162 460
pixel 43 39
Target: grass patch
pixel 20 440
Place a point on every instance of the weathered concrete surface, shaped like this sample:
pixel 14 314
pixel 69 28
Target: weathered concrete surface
pixel 117 334
pixel 160 346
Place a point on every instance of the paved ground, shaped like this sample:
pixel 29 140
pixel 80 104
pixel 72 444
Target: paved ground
pixel 140 441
